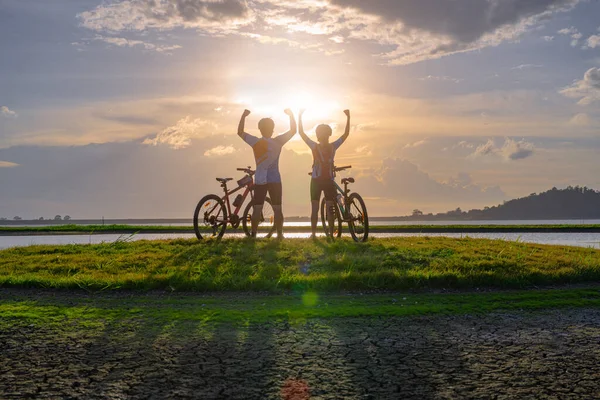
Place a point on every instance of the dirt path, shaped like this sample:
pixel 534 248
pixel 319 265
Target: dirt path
pixel 553 355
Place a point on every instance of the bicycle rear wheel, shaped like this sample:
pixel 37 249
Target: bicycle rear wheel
pixel 359 219
pixel 266 223
pixel 337 231
pixel 210 212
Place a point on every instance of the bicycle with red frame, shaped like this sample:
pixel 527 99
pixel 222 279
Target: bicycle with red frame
pixel 213 213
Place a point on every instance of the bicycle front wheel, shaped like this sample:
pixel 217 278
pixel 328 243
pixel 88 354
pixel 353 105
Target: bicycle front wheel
pixel 337 230
pixel 359 219
pixel 210 213
pixel 266 223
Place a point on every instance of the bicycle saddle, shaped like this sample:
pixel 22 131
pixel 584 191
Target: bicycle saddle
pixel 347 180
pixel 224 180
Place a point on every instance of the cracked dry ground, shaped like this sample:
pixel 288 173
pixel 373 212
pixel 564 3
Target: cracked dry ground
pixel 553 355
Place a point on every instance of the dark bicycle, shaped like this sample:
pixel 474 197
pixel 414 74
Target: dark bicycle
pixel 215 212
pixel 349 208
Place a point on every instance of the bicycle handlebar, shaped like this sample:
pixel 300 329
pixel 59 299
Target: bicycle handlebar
pixel 338 169
pixel 246 170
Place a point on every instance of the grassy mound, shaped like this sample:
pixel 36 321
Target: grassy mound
pixel 245 265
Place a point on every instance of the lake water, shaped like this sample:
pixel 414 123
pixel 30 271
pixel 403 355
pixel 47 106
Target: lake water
pixel 567 239
pixel 372 222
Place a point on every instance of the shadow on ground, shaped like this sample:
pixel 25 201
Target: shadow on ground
pixel 518 355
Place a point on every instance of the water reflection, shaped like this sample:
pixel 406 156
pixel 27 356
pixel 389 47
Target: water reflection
pixel 567 239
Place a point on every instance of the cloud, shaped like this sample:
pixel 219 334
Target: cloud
pixel 180 135
pixel 416 30
pixel 8 113
pixel 568 31
pixel 364 150
pixel 586 89
pixel 573 33
pixel 140 15
pixel 123 42
pixel 8 164
pixel 367 127
pixel 581 119
pixel 593 41
pixel 416 144
pixel 527 66
pixel 483 150
pixel 440 79
pixel 401 180
pixel 219 151
pixel 435 28
pixel 548 38
pixel 464 144
pixel 512 150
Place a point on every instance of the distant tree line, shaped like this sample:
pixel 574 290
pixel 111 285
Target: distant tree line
pixel 56 218
pixel 570 203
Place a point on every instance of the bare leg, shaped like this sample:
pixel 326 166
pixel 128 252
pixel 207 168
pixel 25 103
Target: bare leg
pixel 278 221
pixel 256 214
pixel 314 216
pixel 330 216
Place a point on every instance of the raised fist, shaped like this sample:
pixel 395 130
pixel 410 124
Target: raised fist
pixel 288 112
pixel 347 112
pixel 246 113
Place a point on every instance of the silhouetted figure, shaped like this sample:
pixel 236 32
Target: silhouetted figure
pixel 267 178
pixel 322 170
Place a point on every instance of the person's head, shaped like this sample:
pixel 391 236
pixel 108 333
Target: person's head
pixel 266 127
pixel 323 133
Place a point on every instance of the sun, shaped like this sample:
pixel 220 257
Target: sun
pixel 271 103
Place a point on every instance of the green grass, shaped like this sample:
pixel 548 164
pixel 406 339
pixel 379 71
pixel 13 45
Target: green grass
pixel 48 309
pixel 245 265
pixel 72 228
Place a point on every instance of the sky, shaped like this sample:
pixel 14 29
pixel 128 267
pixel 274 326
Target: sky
pixel 129 108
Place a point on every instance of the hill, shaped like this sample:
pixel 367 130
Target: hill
pixel 570 203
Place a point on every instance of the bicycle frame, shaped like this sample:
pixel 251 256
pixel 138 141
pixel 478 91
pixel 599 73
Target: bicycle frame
pixel 344 194
pixel 225 198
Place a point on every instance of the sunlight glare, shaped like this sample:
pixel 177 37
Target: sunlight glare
pixel 271 103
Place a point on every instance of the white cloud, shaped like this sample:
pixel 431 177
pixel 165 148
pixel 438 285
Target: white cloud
pixel 416 30
pixel 573 33
pixel 464 144
pixel 180 135
pixel 527 66
pixel 364 150
pixel 548 38
pixel 440 79
pixel 140 15
pixel 124 42
pixel 593 41
pixel 219 151
pixel 568 31
pixel 586 89
pixel 8 164
pixel 8 113
pixel 368 126
pixel 581 119
pixel 416 144
pixel 488 148
pixel 512 150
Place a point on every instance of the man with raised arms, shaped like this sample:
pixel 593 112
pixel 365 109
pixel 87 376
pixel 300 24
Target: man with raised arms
pixel 267 178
